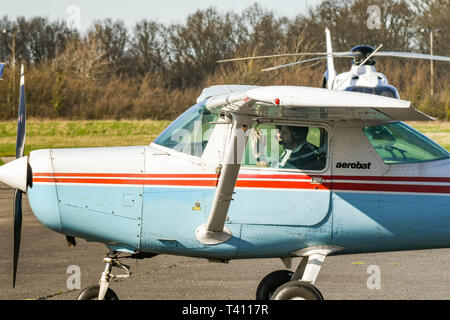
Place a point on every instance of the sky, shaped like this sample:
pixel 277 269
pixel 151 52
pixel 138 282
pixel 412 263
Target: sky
pixel 81 13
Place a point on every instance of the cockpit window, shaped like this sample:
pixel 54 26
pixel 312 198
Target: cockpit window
pixel 190 132
pixel 286 147
pixel 399 143
pixel 386 91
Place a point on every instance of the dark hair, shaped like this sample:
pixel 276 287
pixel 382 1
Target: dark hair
pixel 296 132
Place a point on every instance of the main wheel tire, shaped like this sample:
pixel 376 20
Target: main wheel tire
pixel 297 290
pixel 271 282
pixel 91 293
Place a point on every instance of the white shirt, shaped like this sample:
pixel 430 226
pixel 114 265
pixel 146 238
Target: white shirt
pixel 287 154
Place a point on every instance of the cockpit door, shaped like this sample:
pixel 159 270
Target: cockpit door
pixel 277 195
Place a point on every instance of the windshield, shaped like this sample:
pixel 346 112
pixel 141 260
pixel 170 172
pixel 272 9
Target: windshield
pixel 399 143
pixel 386 91
pixel 190 132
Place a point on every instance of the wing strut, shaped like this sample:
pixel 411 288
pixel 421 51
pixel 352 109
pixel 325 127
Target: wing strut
pixel 215 231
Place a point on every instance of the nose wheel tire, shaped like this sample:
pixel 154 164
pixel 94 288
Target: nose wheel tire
pixel 271 282
pixel 91 293
pixel 297 290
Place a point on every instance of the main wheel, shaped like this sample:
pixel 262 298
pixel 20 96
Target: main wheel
pixel 271 282
pixel 91 293
pixel 297 290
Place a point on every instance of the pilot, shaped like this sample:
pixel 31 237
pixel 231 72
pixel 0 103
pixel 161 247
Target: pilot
pixel 298 153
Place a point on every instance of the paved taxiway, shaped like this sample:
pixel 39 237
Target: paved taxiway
pixel 45 258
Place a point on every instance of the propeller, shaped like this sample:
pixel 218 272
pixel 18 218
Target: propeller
pixel 293 63
pixel 347 54
pixel 20 146
pixel 336 54
pixel 411 55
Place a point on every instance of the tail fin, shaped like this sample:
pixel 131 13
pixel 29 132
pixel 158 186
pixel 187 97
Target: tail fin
pixel 331 71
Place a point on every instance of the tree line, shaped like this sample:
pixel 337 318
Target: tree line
pixel 156 70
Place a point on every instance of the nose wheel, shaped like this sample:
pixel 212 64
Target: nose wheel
pixel 91 293
pixel 298 285
pixel 102 290
pixel 297 290
pixel 271 282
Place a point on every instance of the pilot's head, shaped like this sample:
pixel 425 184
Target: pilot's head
pixel 290 137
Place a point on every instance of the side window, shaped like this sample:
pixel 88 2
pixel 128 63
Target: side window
pixel 398 143
pixel 288 147
pixel 190 132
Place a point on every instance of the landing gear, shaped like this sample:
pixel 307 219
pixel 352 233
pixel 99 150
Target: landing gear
pixel 271 282
pixel 297 290
pixel 91 293
pixel 102 291
pixel 287 285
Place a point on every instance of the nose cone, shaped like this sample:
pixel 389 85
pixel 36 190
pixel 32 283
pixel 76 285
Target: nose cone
pixel 42 196
pixel 16 174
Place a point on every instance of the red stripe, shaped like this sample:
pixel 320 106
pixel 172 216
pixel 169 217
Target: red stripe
pixel 377 178
pixel 209 183
pixel 279 176
pixel 125 175
pixel 390 187
pixel 203 183
pixel 255 181
pixel 280 185
pixel 245 176
pixel 194 183
pixel 261 184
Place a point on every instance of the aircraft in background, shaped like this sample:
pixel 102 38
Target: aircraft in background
pixel 362 77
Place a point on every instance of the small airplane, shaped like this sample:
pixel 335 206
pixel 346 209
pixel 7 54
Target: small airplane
pixel 248 172
pixel 362 77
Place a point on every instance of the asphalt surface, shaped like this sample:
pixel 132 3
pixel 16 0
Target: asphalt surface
pixel 45 259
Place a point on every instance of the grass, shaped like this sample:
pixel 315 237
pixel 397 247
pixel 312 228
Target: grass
pixel 438 131
pixel 43 134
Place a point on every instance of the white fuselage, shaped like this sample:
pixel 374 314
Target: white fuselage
pixel 366 76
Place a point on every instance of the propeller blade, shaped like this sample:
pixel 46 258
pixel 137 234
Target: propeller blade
pixel 20 148
pixel 17 230
pixel 411 55
pixel 293 64
pixel 21 123
pixel 335 54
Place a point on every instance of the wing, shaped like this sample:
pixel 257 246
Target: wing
pixel 223 90
pixel 291 102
